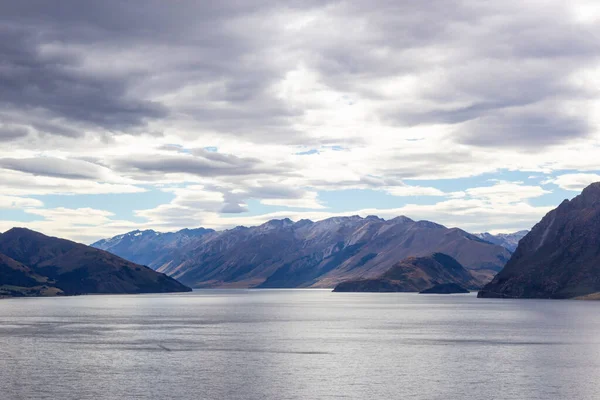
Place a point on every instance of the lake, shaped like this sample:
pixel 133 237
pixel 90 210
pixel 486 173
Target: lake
pixel 298 344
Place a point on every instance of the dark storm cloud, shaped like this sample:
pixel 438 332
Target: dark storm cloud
pixel 48 49
pixel 267 190
pixel 233 208
pixel 32 79
pixel 112 65
pixel 528 129
pixel 8 133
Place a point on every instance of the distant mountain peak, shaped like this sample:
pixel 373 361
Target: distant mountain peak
pixel 195 231
pixel 303 222
pixel 402 219
pixel 138 232
pixel 506 240
pixel 342 219
pixel 276 224
pixel 429 224
pixel 22 231
pixel 592 190
pixel 589 197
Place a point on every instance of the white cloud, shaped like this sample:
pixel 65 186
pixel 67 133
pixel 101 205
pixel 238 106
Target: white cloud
pixel 309 200
pixel 506 192
pixel 18 202
pixel 83 224
pixel 405 191
pixel 23 184
pixel 574 182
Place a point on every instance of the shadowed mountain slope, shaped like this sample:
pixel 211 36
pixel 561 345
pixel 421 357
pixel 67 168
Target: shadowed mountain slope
pixel 559 258
pixel 414 274
pixel 29 259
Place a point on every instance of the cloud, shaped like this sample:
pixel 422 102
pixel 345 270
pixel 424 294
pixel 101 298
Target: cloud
pixel 41 77
pixel 233 208
pixel 10 132
pixel 414 191
pixel 518 128
pixel 107 67
pixel 24 184
pixel 15 202
pixel 79 217
pixel 506 192
pixel 221 68
pixel 54 167
pixel 473 215
pixel 499 73
pixel 309 200
pixel 194 201
pixel 241 103
pixel 198 162
pixel 574 182
pixel 84 225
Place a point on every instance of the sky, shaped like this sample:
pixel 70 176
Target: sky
pixel 165 115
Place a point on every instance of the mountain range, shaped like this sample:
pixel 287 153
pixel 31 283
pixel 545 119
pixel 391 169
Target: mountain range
pixel 559 258
pixel 284 254
pixel 32 264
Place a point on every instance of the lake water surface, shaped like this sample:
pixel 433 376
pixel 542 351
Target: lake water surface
pixel 298 344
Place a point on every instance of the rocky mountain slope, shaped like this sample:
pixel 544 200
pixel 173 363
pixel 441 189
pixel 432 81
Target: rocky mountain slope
pixel 282 253
pixel 414 274
pixel 559 258
pixel 510 241
pixel 34 264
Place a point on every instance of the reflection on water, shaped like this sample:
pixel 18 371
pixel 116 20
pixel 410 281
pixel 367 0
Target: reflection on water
pixel 297 344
